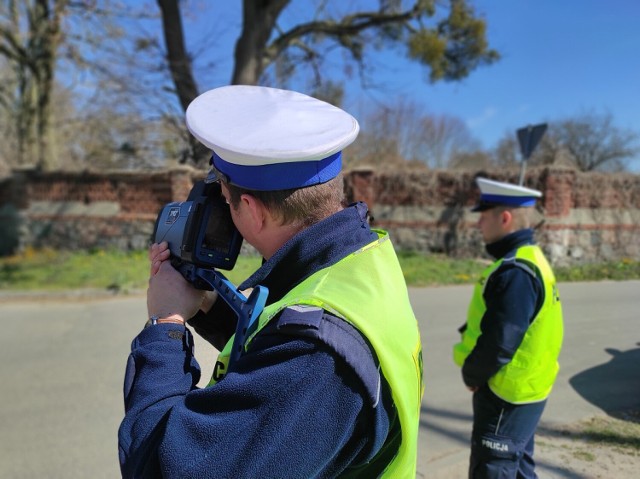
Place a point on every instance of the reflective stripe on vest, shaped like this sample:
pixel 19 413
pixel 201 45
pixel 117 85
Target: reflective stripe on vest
pixel 367 289
pixel 530 374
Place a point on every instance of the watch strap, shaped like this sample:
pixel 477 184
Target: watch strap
pixel 153 320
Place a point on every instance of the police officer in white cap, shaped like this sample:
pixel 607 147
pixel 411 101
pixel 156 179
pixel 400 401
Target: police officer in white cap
pixel 510 344
pixel 329 382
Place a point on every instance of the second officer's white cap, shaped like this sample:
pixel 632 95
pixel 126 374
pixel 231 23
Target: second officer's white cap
pixel 497 193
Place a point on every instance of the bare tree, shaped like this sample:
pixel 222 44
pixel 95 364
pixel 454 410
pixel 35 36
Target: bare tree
pixel 404 132
pixel 101 43
pixel 381 138
pixel 594 142
pixel 104 138
pixel 588 141
pixel 30 34
pixel 180 68
pixel 446 138
pixel 450 48
pixel 76 96
pixel 36 36
pixel 476 159
pixel 506 153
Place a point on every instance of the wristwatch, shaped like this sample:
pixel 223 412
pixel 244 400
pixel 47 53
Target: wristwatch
pixel 155 319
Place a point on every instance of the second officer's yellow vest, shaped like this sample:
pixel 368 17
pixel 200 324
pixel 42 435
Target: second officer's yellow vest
pixel 367 289
pixel 530 375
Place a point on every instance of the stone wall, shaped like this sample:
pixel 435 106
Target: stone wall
pixel 582 217
pixel 86 210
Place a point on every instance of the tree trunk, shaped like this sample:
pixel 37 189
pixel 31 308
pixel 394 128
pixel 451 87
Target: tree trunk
pixel 47 39
pixel 179 61
pixel 258 20
pixel 181 72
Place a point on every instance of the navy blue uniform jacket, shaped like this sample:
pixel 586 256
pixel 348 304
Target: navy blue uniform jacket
pixel 513 297
pixel 302 402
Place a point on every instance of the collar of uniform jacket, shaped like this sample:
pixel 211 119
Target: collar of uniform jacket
pixel 317 247
pixel 509 243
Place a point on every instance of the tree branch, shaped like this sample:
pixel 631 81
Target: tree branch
pixel 349 26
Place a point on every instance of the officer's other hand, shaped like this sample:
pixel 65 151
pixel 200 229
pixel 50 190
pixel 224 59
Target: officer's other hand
pixel 208 301
pixel 170 294
pixel 158 252
pixel 472 388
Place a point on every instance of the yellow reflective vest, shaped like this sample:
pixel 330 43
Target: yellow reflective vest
pixel 368 290
pixel 530 374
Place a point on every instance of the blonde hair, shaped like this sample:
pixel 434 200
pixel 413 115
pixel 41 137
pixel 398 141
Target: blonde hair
pixel 299 206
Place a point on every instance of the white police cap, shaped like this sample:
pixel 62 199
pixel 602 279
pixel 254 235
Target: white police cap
pixel 496 193
pixel 270 139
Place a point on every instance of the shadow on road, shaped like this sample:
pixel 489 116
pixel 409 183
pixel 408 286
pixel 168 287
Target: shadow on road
pixel 452 422
pixel 614 386
pixel 558 471
pixel 430 416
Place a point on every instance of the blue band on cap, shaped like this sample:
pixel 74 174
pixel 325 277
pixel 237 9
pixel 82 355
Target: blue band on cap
pixel 281 176
pixel 508 200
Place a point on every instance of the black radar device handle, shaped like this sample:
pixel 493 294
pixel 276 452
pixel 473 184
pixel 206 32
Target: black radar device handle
pixel 247 309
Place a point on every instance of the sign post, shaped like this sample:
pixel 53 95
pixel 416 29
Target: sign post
pixel 529 137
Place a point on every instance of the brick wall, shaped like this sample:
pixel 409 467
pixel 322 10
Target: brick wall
pixel 86 210
pixel 581 217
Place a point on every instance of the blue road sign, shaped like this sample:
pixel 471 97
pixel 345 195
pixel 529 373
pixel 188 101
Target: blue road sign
pixel 529 137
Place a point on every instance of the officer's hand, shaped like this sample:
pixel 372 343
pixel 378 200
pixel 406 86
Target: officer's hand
pixel 208 301
pixel 170 294
pixel 472 388
pixel 157 254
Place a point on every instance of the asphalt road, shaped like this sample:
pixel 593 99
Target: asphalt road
pixel 62 364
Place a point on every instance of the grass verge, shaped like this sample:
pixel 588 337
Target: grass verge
pixel 619 432
pixel 124 271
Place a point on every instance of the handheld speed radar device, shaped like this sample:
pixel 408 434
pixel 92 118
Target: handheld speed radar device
pixel 203 238
pixel 200 232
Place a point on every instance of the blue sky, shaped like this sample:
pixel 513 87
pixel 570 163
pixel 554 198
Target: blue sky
pixel 560 58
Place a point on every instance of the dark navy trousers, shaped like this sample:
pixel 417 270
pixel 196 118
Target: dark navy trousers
pixel 502 437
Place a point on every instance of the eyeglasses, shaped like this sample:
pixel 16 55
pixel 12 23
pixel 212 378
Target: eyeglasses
pixel 215 174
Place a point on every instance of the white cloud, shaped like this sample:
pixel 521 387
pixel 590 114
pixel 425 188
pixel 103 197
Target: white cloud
pixel 478 121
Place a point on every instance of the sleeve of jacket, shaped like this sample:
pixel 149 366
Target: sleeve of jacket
pixel 512 297
pixel 255 423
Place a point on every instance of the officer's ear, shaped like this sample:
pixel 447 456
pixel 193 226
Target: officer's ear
pixel 506 218
pixel 256 211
